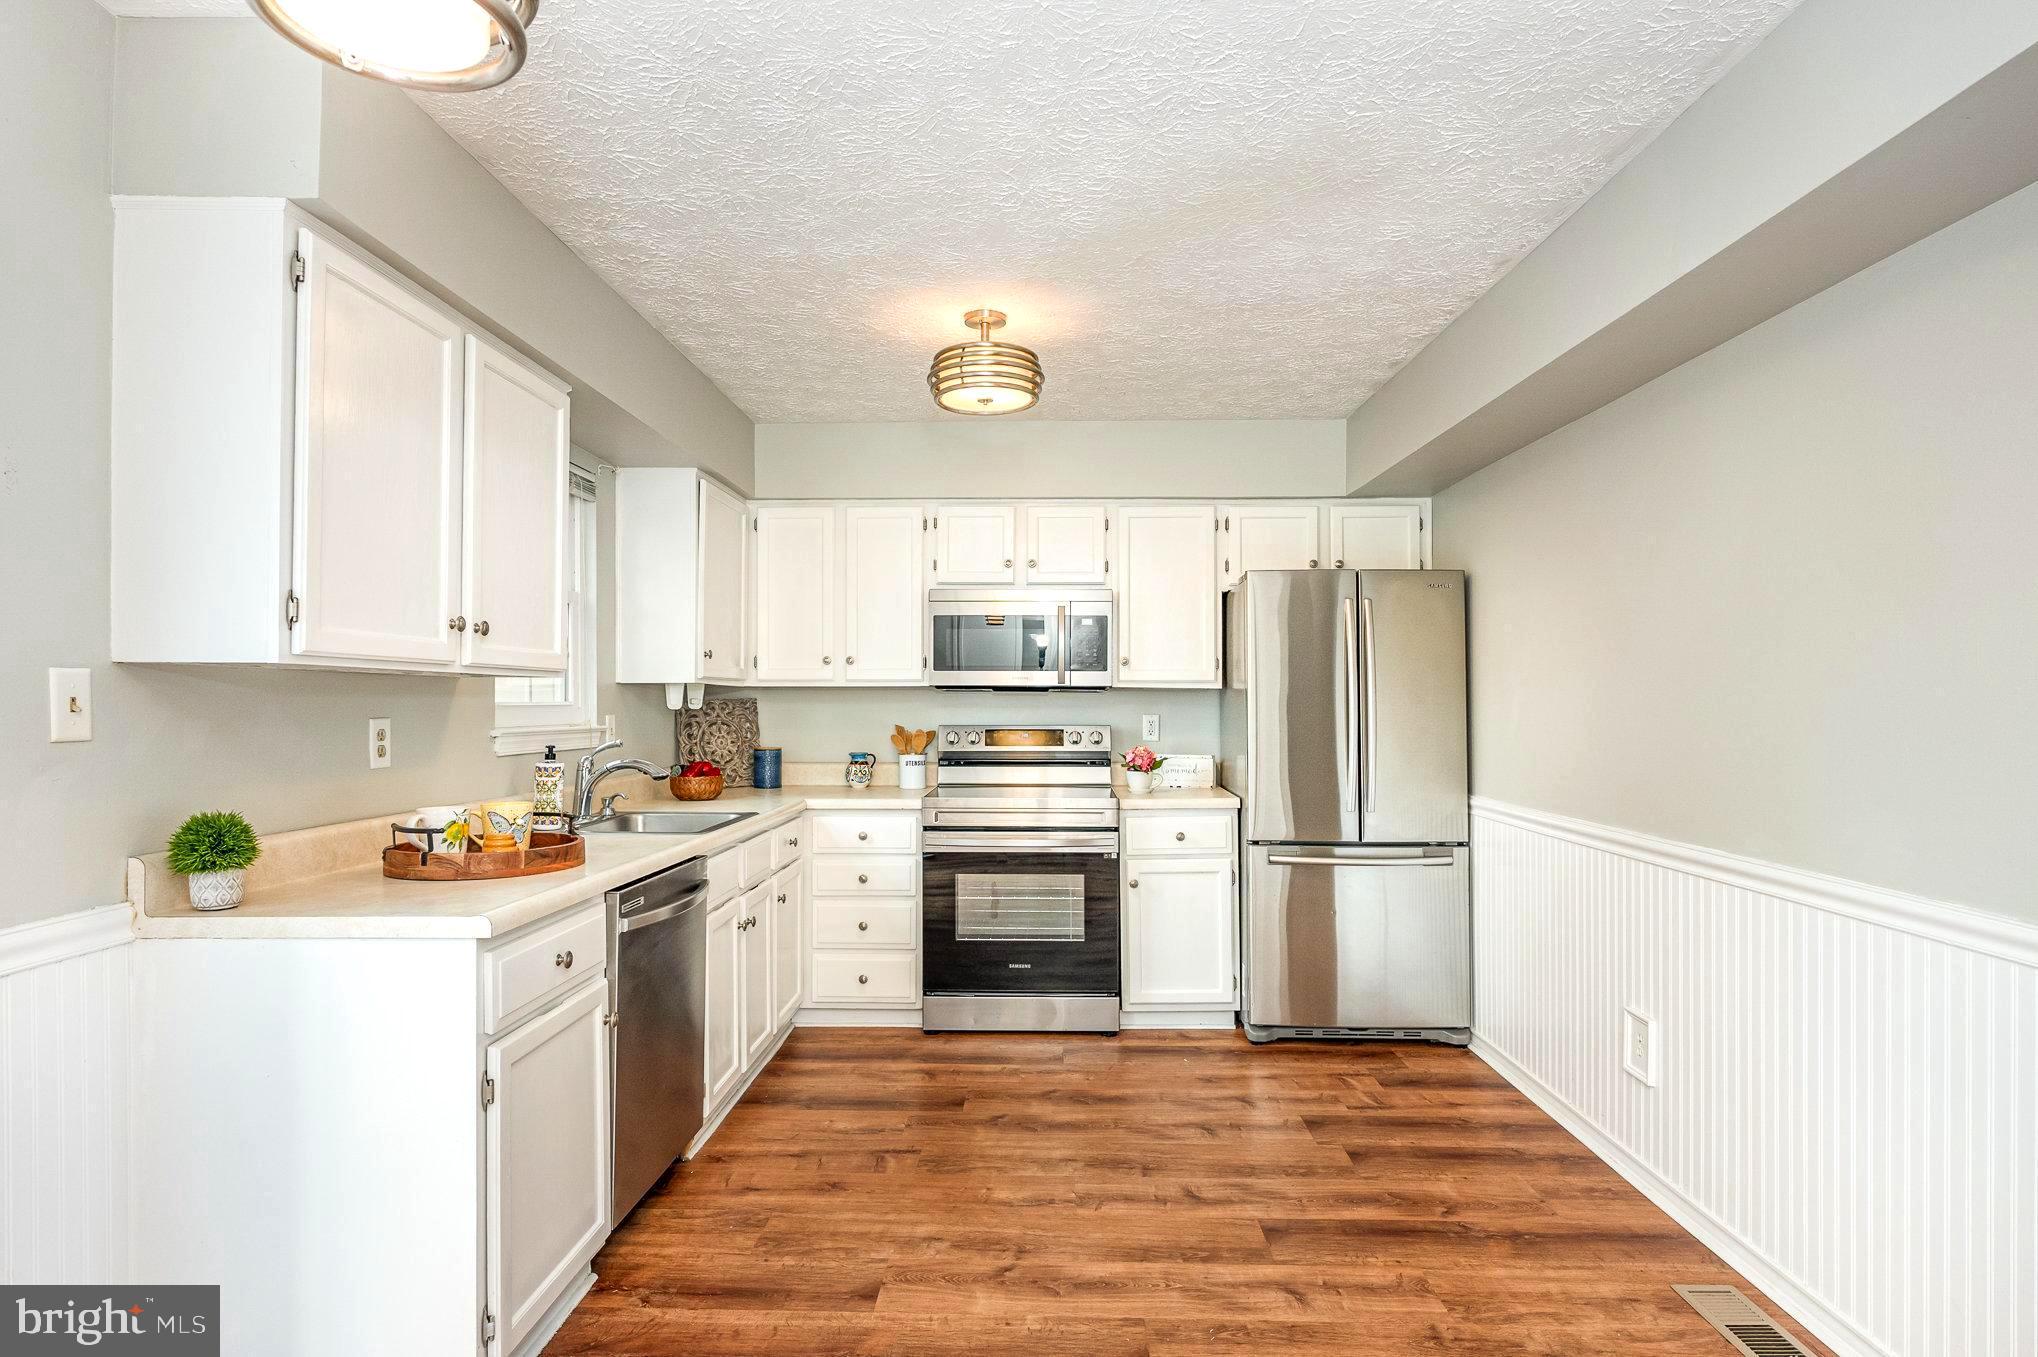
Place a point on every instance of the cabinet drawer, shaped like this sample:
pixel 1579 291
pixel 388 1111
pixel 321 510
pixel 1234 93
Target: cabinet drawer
pixel 788 841
pixel 524 972
pixel 863 876
pixel 864 833
pixel 880 923
pixel 725 875
pixel 755 855
pixel 867 977
pixel 1148 833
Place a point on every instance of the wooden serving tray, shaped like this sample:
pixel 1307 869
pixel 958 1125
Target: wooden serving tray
pixel 548 853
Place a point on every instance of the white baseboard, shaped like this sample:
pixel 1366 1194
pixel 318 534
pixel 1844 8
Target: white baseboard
pixel 1845 1092
pixel 1831 1329
pixel 1176 1019
pixel 857 1017
pixel 555 1317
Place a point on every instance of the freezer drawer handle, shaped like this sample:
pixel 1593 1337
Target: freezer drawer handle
pixel 1282 860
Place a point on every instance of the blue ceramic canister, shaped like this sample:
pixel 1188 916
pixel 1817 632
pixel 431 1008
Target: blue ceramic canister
pixel 765 767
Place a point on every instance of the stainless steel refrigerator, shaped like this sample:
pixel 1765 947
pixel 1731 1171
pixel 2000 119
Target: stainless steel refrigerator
pixel 1343 731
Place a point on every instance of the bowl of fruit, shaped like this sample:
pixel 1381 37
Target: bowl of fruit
pixel 697 781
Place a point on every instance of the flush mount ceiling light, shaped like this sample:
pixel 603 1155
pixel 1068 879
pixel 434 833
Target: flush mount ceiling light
pixel 985 376
pixel 444 46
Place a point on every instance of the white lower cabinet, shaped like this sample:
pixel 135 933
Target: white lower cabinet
pixel 547 1140
pixel 865 910
pixel 756 946
pixel 1180 917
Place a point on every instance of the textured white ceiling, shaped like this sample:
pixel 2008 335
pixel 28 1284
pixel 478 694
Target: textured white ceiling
pixel 1232 209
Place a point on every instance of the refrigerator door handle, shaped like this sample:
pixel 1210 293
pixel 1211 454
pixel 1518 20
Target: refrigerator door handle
pixel 1347 753
pixel 1285 860
pixel 1368 722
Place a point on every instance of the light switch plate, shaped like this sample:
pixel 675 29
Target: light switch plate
pixel 1640 1045
pixel 70 705
pixel 378 741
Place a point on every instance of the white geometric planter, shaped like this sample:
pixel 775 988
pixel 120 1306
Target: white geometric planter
pixel 217 890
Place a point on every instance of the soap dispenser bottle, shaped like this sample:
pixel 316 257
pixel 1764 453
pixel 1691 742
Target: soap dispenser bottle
pixel 548 779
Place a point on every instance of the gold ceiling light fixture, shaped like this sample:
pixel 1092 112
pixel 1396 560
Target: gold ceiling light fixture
pixel 441 46
pixel 985 376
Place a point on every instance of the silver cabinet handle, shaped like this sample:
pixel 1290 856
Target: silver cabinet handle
pixel 849 659
pixel 1008 563
pixel 564 959
pixel 1312 563
pixel 793 842
pixel 1338 564
pixel 862 927
pixel 481 628
pixel 1134 883
pixel 863 980
pixel 826 660
pixel 862 880
pixel 781 897
pixel 862 834
pixel 1180 836
pixel 456 623
pixel 1032 564
pixel 707 654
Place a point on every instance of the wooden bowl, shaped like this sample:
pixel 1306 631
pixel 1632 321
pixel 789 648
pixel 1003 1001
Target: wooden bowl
pixel 696 788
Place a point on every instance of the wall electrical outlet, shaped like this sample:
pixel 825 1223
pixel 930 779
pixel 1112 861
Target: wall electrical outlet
pixel 70 705
pixel 378 742
pixel 1149 728
pixel 1639 1044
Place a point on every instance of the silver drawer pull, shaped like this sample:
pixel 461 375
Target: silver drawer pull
pixel 862 880
pixel 563 959
pixel 863 980
pixel 793 842
pixel 862 927
pixel 862 835
pixel 1179 836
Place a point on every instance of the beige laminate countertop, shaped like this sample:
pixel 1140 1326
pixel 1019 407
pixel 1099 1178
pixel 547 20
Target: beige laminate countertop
pixel 357 901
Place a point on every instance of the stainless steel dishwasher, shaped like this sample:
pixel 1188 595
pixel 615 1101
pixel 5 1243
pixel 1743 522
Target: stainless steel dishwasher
pixel 658 953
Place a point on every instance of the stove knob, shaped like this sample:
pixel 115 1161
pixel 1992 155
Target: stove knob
pixel 1096 737
pixel 953 738
pixel 976 737
pixel 1072 737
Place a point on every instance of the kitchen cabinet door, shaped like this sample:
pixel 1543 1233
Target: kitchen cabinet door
pixel 1065 543
pixel 547 1133
pixel 375 531
pixel 1268 537
pixel 515 523
pixel 1165 571
pixel 973 544
pixel 798 583
pixel 725 1000
pixel 1180 932
pixel 723 577
pixel 788 943
pixel 884 598
pixel 1373 536
pixel 759 1009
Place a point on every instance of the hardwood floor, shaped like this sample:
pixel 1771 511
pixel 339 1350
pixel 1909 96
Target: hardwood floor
pixel 1159 1193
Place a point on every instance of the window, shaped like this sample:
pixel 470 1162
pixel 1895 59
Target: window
pixel 531 713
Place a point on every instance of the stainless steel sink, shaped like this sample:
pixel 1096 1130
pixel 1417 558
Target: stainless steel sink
pixel 664 822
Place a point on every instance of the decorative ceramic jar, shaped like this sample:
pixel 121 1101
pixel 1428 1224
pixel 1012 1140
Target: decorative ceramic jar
pixel 857 774
pixel 217 890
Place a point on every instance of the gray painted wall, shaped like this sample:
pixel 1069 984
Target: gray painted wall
pixel 962 457
pixel 287 749
pixel 822 725
pixel 1783 601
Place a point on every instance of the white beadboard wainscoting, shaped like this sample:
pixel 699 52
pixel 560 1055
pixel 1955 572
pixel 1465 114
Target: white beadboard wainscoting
pixel 65 1033
pixel 1846 1104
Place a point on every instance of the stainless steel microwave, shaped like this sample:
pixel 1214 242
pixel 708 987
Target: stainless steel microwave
pixel 1020 638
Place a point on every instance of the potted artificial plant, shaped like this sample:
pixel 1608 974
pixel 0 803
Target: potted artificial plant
pixel 212 850
pixel 1139 764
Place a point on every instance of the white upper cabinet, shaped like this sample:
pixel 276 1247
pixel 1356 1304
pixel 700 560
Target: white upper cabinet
pixel 1373 537
pixel 723 573
pixel 1165 571
pixel 798 584
pixel 515 529
pixel 884 596
pixel 376 484
pixel 300 441
pixel 973 544
pixel 1065 543
pixel 1267 537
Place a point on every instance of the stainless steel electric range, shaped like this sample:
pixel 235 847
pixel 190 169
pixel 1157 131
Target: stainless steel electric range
pixel 1019 881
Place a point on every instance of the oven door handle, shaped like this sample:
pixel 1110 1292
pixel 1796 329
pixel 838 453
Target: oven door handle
pixel 984 845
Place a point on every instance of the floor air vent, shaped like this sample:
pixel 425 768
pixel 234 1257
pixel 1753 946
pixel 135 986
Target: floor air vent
pixel 1740 1322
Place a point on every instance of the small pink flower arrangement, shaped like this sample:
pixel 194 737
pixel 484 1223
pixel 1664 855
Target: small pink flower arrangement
pixel 1140 759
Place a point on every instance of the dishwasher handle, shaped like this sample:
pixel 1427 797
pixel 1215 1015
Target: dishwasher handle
pixel 693 896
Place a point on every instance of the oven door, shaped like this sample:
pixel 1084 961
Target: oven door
pixel 1008 912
